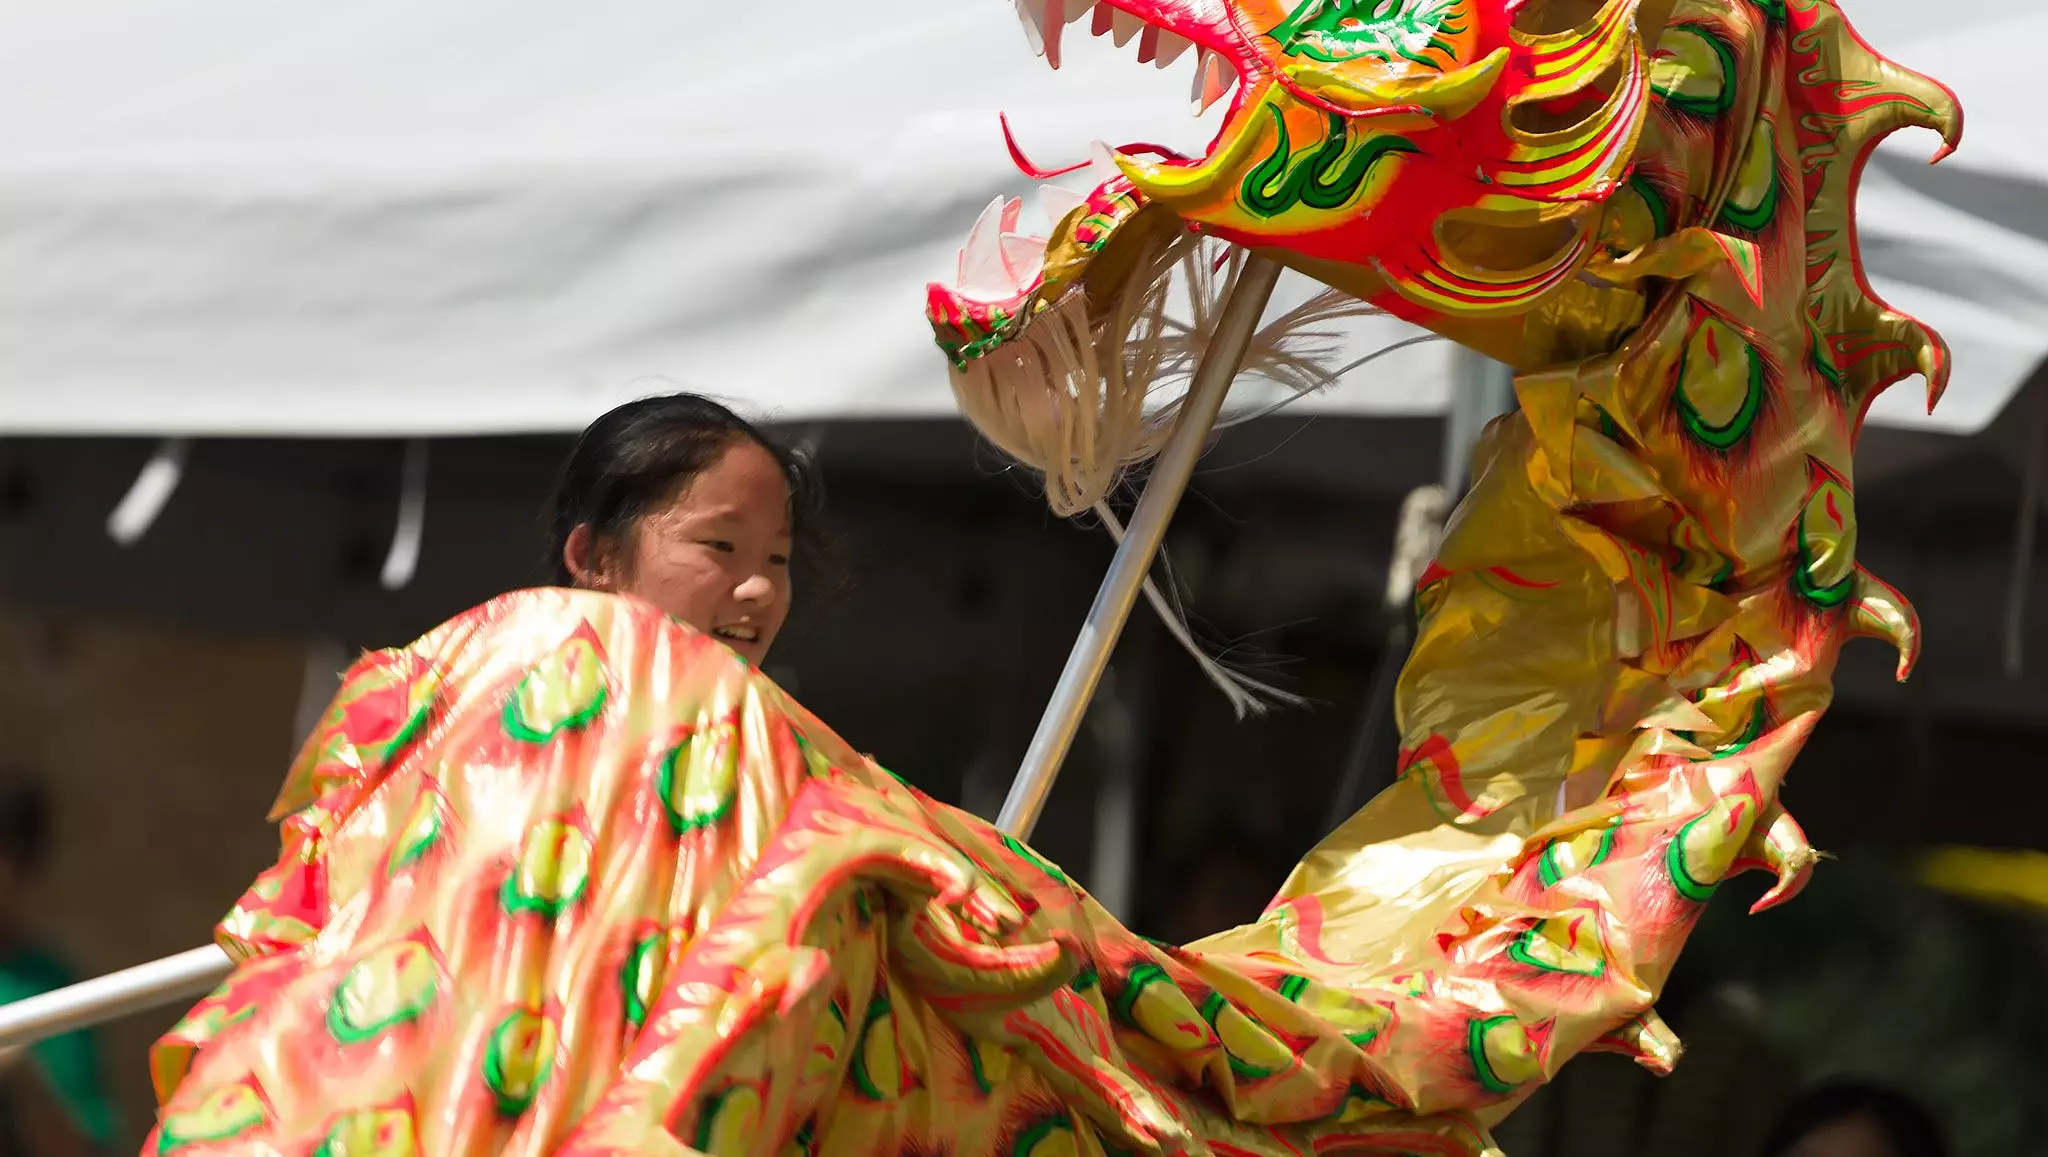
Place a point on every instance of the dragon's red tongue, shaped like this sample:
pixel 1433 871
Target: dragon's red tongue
pixel 1099 153
pixel 1024 163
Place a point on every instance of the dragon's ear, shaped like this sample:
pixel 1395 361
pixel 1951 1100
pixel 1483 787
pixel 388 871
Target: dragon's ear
pixel 1445 96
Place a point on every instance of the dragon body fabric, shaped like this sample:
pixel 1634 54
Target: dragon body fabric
pixel 567 878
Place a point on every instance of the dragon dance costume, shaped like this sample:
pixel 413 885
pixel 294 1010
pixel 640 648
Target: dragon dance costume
pixel 567 878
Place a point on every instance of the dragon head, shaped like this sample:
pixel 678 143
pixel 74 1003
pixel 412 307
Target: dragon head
pixel 1532 179
pixel 1446 161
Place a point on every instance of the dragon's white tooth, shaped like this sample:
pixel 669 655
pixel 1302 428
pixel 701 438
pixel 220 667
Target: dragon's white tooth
pixel 991 216
pixel 1057 201
pixel 1103 167
pixel 1123 25
pixel 1148 44
pixel 1213 78
pixel 1171 45
pixel 1225 76
pixel 1023 259
pixel 1075 9
pixel 1031 14
pixel 981 260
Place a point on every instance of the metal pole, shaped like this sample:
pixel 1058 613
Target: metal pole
pixel 1119 590
pixel 146 986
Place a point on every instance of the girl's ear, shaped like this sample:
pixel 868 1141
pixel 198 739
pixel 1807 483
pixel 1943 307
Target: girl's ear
pixel 579 554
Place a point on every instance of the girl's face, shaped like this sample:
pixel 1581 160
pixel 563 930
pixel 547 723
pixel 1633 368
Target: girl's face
pixel 716 557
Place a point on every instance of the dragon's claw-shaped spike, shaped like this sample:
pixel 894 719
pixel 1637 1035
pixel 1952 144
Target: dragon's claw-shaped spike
pixel 1839 124
pixel 1878 611
pixel 1778 845
pixel 1646 1040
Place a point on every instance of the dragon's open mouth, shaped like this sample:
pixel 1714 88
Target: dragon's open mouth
pixel 1005 274
pixel 1444 158
pixel 1448 161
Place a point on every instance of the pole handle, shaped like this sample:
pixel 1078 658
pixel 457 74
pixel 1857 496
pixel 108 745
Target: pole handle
pixel 104 998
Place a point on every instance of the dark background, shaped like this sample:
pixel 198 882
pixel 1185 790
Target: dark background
pixel 930 629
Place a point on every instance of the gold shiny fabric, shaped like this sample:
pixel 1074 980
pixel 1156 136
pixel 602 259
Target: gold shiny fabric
pixel 566 878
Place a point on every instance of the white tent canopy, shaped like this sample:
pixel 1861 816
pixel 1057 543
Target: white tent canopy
pixel 246 217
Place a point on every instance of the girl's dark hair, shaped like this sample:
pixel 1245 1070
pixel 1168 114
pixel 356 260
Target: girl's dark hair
pixel 1912 1131
pixel 636 458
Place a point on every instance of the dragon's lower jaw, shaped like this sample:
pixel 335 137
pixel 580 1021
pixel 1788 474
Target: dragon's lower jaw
pixel 1064 354
pixel 1039 331
pixel 1042 331
pixel 1007 275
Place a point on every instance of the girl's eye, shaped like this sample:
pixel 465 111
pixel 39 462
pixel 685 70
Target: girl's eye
pixel 778 559
pixel 719 544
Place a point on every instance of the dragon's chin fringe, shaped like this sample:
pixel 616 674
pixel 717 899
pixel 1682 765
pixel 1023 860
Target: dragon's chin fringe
pixel 1071 396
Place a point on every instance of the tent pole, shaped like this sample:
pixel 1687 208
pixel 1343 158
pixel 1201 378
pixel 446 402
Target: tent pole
pixel 1120 587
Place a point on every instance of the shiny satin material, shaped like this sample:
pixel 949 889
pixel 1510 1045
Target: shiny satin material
pixel 566 878
pixel 1646 208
